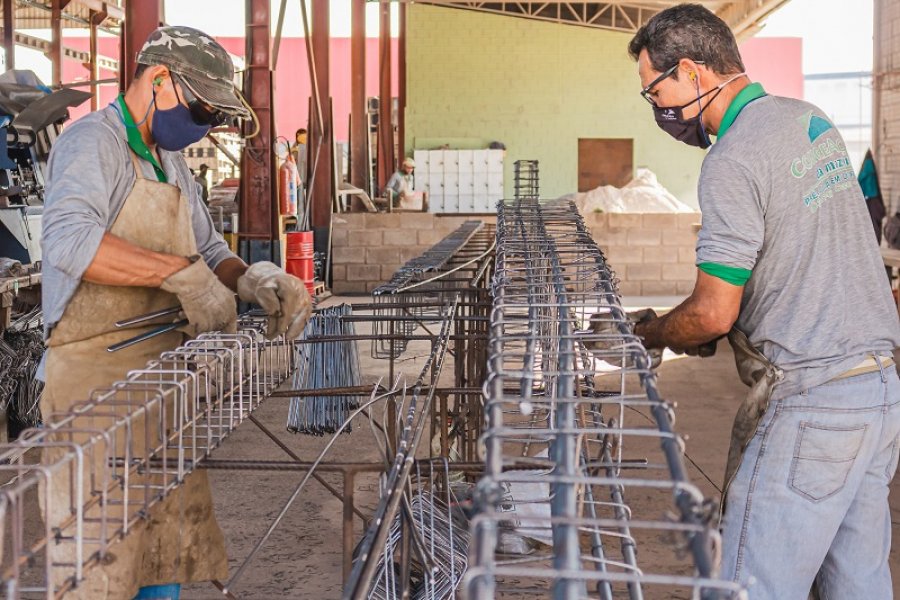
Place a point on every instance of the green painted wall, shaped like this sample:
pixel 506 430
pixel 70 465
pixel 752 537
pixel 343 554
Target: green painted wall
pixel 537 87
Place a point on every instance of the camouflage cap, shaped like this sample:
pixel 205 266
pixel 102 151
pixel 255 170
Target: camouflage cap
pixel 200 61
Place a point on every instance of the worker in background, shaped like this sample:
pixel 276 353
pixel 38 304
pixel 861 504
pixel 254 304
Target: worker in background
pixel 200 178
pixel 868 182
pixel 126 233
pixel 399 188
pixel 788 268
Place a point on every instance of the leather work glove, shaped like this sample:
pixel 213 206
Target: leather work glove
pixel 282 296
pixel 601 324
pixel 205 301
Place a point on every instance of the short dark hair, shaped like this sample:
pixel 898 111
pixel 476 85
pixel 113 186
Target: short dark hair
pixel 299 131
pixel 139 70
pixel 688 31
pixel 204 167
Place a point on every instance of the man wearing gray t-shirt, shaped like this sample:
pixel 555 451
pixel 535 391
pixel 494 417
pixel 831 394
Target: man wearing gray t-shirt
pixel 789 270
pixel 125 233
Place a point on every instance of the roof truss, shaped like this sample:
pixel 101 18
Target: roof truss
pixel 743 16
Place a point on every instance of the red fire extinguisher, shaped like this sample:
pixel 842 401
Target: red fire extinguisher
pixel 288 186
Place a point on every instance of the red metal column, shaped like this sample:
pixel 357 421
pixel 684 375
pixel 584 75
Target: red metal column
pixel 9 26
pixel 320 138
pixel 401 84
pixel 258 216
pixel 385 125
pixel 359 127
pixel 56 42
pixel 96 18
pixel 141 18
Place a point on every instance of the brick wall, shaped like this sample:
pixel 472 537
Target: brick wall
pixel 652 254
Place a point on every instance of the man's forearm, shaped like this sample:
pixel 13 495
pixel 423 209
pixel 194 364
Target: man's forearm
pixel 122 263
pixel 229 271
pixel 684 327
pixel 706 315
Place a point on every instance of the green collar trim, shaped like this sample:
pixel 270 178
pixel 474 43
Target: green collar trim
pixel 752 92
pixel 136 142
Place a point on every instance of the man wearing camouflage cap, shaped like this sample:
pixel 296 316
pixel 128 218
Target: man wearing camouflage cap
pixel 125 233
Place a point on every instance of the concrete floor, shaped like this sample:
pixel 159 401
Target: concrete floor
pixel 303 557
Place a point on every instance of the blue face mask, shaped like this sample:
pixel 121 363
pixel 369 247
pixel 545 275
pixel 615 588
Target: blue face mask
pixel 174 129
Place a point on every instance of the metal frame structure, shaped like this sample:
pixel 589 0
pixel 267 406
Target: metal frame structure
pixel 185 404
pixel 195 396
pixel 569 391
pixel 527 388
pixel 526 179
pixel 743 16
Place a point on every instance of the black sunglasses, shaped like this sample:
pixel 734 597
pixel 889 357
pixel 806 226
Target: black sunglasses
pixel 201 113
pixel 645 93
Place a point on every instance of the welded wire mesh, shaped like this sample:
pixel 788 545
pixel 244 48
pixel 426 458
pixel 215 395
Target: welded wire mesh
pixel 325 364
pixel 581 463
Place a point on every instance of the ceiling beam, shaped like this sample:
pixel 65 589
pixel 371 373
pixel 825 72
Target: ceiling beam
pixel 745 17
pixel 36 43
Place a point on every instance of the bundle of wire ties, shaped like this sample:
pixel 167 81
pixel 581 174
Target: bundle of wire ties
pixel 325 364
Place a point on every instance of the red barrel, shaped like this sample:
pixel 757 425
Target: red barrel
pixel 299 245
pixel 299 255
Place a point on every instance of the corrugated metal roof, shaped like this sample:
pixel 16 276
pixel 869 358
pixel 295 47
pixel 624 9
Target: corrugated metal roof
pixel 744 16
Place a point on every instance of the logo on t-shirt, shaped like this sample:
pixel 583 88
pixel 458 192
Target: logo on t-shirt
pixel 814 125
pixel 827 159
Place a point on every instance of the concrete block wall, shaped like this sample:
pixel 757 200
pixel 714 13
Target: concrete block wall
pixel 652 254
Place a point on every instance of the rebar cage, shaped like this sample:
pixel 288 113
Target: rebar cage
pixel 538 467
pixel 581 457
pixel 100 467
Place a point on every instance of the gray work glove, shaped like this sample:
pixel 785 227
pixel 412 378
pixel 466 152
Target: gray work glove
pixel 205 301
pixel 282 296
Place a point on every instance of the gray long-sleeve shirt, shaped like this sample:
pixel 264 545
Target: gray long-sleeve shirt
pixel 90 174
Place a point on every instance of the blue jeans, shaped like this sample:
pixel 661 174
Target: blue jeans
pixel 810 499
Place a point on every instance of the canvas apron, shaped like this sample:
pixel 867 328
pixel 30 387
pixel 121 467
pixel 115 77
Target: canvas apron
pixel 180 541
pixel 761 375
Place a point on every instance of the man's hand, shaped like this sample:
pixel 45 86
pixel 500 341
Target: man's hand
pixel 602 325
pixel 206 303
pixel 705 316
pixel 282 296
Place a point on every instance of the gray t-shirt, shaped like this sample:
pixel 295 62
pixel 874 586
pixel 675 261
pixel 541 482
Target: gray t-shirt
pixel 90 174
pixel 779 197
